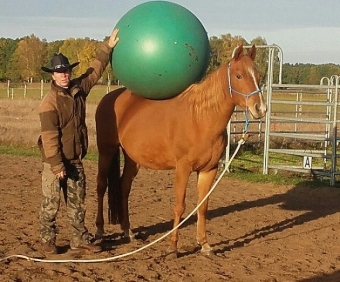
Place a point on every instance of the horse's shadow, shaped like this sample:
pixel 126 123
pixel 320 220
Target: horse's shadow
pixel 316 202
pixel 110 241
pixel 333 277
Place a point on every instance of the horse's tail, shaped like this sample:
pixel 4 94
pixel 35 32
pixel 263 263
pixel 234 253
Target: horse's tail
pixel 114 190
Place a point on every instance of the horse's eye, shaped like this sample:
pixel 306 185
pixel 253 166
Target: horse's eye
pixel 238 76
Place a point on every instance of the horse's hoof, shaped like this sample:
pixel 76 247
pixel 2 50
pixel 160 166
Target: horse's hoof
pixel 208 253
pixel 171 254
pixel 206 250
pixel 99 235
pixel 129 236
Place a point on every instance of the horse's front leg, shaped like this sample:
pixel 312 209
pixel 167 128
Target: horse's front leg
pixel 181 180
pixel 130 171
pixel 204 183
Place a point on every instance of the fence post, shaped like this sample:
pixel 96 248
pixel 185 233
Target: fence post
pixel 41 89
pixel 25 89
pixel 8 81
pixel 335 131
pixel 108 83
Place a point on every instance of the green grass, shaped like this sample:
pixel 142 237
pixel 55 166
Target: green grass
pixel 248 166
pixel 20 151
pixel 34 152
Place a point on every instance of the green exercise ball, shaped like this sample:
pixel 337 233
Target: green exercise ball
pixel 162 49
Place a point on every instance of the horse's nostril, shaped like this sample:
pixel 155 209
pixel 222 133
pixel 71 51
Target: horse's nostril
pixel 260 107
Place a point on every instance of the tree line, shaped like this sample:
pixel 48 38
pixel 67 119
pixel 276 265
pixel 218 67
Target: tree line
pixel 22 58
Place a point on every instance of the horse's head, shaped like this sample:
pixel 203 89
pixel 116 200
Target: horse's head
pixel 243 79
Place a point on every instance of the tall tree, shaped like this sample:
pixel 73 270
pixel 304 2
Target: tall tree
pixel 229 45
pixel 13 71
pixel 86 55
pixel 222 49
pixel 261 57
pixel 73 50
pixel 31 53
pixel 7 48
pixel 72 47
pixel 216 47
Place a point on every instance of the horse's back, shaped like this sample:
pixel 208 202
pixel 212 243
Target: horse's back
pixel 125 118
pixel 106 104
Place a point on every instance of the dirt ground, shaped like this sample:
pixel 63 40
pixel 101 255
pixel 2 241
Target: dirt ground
pixel 260 232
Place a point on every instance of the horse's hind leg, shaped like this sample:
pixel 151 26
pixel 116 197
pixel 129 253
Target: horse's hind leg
pixel 181 180
pixel 104 162
pixel 204 183
pixel 130 171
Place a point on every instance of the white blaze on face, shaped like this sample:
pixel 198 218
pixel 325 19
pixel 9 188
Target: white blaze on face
pixel 263 106
pixel 252 74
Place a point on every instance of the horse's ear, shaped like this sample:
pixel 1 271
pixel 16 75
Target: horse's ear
pixel 238 52
pixel 252 52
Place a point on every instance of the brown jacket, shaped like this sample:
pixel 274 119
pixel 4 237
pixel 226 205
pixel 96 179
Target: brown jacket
pixel 62 116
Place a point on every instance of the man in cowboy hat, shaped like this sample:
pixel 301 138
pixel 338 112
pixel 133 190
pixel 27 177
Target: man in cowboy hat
pixel 63 143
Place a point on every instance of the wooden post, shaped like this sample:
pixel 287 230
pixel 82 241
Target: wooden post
pixel 108 83
pixel 25 89
pixel 41 89
pixel 8 81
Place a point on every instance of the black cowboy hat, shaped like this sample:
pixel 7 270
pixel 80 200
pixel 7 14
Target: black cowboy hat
pixel 59 63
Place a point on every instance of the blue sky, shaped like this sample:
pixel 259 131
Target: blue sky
pixel 308 31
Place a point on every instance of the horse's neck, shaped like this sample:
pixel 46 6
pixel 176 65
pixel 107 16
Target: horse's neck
pixel 210 99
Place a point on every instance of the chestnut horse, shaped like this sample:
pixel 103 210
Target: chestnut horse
pixel 185 133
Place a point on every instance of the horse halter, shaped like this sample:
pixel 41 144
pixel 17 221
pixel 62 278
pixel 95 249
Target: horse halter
pixel 237 92
pixel 231 90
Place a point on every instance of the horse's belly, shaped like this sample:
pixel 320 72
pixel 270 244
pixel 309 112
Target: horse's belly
pixel 150 155
pixel 151 164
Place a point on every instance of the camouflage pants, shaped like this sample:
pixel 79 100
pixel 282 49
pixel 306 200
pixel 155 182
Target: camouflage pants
pixel 73 187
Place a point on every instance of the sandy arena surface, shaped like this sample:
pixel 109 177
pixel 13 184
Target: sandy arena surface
pixel 260 232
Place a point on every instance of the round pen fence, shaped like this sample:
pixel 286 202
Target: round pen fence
pixel 303 119
pixel 300 131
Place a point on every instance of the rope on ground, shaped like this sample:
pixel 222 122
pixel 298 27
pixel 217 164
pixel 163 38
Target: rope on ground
pixel 226 168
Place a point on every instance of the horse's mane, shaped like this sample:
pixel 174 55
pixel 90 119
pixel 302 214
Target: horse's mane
pixel 207 94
